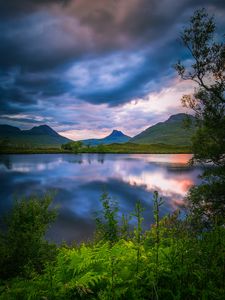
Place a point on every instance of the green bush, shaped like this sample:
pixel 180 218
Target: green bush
pixel 23 248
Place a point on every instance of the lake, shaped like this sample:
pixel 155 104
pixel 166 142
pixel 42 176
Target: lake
pixel 79 180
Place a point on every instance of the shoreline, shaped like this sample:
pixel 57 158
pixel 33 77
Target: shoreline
pixel 110 152
pixel 127 148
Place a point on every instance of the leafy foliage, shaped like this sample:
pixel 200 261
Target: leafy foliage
pixel 23 248
pixel 73 146
pixel 168 261
pixel 107 220
pixel 208 73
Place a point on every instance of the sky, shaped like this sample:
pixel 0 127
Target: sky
pixel 86 67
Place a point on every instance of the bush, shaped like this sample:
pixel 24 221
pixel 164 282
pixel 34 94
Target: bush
pixel 23 247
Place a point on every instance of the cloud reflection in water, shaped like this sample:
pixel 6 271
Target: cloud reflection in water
pixel 80 179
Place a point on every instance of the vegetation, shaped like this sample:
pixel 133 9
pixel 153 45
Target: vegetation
pixel 208 103
pixel 78 147
pixel 31 150
pixel 74 147
pixel 37 141
pixel 170 136
pixel 23 249
pixel 171 132
pixel 171 260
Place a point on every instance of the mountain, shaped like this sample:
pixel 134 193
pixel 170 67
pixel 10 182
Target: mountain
pixel 6 130
pixel 116 136
pixel 38 136
pixel 41 130
pixel 170 132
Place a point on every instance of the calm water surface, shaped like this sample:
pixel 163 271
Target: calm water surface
pixel 80 179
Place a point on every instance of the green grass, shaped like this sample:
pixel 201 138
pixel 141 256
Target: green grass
pixel 170 132
pixel 138 148
pixel 32 150
pixel 127 148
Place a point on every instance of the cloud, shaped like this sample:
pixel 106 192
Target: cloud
pixel 15 8
pixel 81 54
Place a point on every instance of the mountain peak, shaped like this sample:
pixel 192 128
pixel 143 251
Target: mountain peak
pixel 116 133
pixel 38 136
pixel 116 136
pixel 44 126
pixel 43 129
pixel 178 117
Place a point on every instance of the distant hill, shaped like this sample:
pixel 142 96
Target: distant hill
pixel 38 136
pixel 116 136
pixel 170 132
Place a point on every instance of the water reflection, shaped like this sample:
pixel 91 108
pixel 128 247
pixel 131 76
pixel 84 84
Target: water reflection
pixel 80 179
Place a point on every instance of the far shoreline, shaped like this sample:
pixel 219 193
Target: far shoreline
pixel 59 151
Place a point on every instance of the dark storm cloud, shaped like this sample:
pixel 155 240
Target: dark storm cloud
pixel 95 51
pixel 14 100
pixel 44 38
pixel 12 8
pixel 47 35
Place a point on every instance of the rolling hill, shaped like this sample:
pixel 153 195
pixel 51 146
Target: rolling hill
pixel 170 132
pixel 38 136
pixel 116 136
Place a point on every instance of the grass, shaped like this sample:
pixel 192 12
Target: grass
pixel 131 148
pixel 32 150
pixel 126 148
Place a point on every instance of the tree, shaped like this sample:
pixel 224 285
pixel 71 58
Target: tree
pixel 23 248
pixel 5 142
pixel 76 146
pixel 207 71
pixel 73 146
